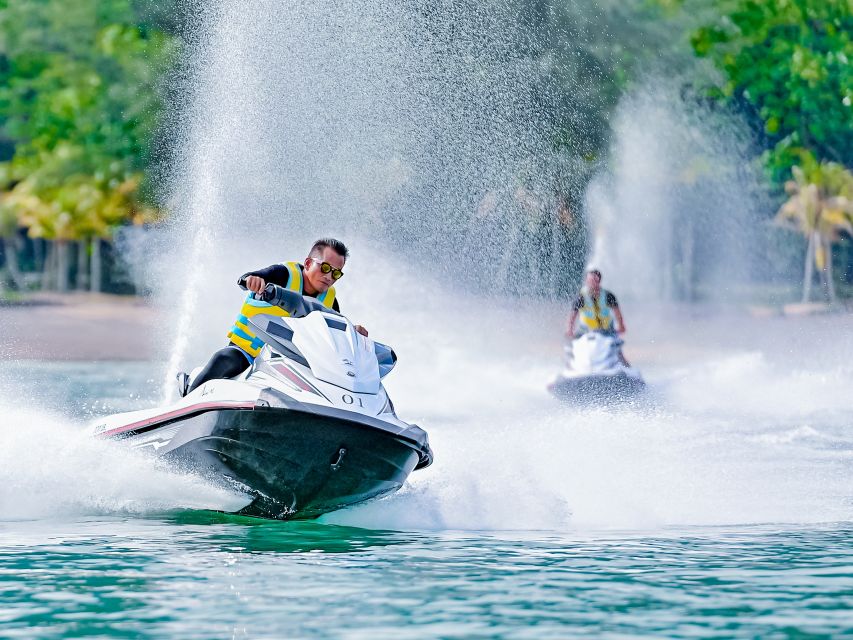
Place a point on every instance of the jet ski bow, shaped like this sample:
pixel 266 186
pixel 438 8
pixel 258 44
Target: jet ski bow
pixel 595 371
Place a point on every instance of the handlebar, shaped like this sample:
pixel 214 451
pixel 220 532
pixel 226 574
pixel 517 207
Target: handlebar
pixel 296 304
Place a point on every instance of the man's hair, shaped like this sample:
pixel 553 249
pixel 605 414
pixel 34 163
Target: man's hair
pixel 336 245
pixel 594 272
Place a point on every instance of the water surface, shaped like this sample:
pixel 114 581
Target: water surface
pixel 203 575
pixel 670 517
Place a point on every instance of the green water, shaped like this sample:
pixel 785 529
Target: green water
pixel 96 544
pixel 204 575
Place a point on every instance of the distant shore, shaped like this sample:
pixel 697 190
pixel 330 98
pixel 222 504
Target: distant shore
pixel 77 326
pixel 97 327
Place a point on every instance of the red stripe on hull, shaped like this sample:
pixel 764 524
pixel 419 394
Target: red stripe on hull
pixel 177 413
pixel 293 377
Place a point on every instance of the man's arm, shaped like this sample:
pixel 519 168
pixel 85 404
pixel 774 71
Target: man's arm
pixel 278 274
pixel 617 312
pixel 619 320
pixel 256 280
pixel 572 318
pixel 576 308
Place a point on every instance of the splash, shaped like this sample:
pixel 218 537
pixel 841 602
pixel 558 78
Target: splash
pixel 411 132
pixel 50 468
pixel 421 126
pixel 678 216
pixel 721 438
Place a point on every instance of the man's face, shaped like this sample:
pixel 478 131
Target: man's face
pixel 593 282
pixel 319 280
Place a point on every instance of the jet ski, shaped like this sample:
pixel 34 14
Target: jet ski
pixel 308 428
pixel 596 371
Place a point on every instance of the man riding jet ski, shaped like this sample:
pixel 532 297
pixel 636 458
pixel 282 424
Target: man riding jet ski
pixel 314 277
pixel 308 428
pixel 595 367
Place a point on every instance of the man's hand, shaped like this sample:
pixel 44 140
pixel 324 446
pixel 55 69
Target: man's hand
pixel 570 330
pixel 255 284
pixel 361 330
pixel 620 321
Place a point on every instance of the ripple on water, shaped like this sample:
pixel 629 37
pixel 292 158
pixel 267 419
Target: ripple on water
pixel 206 575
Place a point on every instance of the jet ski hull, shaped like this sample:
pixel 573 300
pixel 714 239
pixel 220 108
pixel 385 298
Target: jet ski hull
pixel 297 466
pixel 293 464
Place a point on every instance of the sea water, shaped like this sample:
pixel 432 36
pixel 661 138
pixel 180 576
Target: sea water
pixel 202 575
pixel 716 505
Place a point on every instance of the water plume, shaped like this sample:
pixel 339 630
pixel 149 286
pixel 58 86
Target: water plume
pixel 51 468
pixel 679 215
pixel 422 126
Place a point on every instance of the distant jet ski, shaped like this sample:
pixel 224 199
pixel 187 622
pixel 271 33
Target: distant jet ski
pixel 307 429
pixel 595 372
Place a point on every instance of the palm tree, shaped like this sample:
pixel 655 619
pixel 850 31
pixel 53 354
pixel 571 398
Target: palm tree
pixel 78 209
pixel 9 233
pixel 819 206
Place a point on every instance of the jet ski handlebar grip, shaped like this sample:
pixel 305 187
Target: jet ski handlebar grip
pixel 268 294
pixel 278 296
pixel 293 302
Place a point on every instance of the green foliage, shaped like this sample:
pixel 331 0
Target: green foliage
pixel 80 101
pixel 595 50
pixel 792 62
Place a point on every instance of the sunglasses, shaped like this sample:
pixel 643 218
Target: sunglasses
pixel 325 267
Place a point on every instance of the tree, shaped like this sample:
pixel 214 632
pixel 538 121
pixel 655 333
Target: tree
pixel 788 64
pixel 80 99
pixel 820 206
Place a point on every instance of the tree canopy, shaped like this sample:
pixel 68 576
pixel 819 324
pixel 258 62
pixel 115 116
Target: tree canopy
pixel 788 62
pixel 80 100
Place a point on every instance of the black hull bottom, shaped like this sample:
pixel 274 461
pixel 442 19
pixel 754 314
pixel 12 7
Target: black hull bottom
pixel 297 465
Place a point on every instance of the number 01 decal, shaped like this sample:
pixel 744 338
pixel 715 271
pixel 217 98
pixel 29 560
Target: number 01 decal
pixel 348 399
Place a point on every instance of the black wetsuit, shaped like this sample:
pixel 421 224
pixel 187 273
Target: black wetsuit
pixel 231 361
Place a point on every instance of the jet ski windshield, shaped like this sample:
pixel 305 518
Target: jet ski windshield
pixel 280 335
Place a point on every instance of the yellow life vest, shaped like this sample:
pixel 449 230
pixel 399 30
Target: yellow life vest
pixel 240 334
pixel 595 314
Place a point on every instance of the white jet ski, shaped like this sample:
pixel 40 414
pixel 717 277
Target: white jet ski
pixel 595 370
pixel 307 429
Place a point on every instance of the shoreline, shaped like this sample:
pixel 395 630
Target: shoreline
pixel 102 327
pixel 78 327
